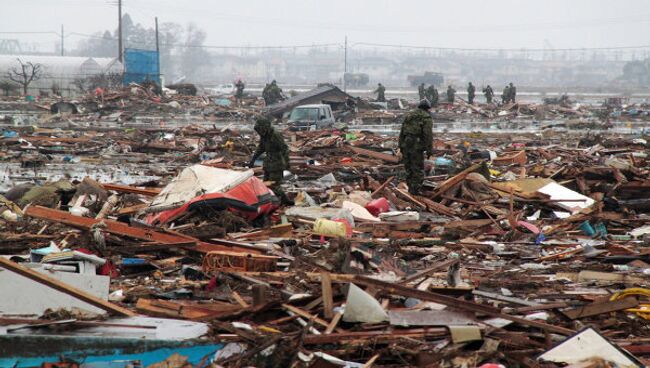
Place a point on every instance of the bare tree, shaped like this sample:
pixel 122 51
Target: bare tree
pixel 25 74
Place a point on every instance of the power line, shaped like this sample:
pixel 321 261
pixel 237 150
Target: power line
pixel 181 45
pixel 521 49
pixel 387 28
pixel 28 32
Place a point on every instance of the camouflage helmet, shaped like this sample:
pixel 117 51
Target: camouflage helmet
pixel 263 125
pixel 424 104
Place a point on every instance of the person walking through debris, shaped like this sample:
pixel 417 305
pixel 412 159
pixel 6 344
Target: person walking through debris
pixel 275 93
pixel 471 93
pixel 505 96
pixel 451 93
pixel 489 93
pixel 380 93
pixel 421 91
pixel 266 94
pixel 416 141
pixel 240 90
pixel 513 93
pixel 432 95
pixel 277 156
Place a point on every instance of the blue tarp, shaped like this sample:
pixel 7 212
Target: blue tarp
pixel 141 66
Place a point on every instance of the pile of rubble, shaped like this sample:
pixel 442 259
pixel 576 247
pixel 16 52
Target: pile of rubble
pixel 159 246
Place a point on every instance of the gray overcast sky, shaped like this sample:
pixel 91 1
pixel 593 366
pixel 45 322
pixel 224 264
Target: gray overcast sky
pixel 463 24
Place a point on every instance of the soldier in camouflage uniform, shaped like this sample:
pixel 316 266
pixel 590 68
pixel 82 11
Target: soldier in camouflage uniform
pixel 432 95
pixel 416 141
pixel 451 93
pixel 277 156
pixel 489 93
pixel 421 91
pixel 505 96
pixel 471 93
pixel 380 91
pixel 240 89
pixel 266 94
pixel 275 92
pixel 512 96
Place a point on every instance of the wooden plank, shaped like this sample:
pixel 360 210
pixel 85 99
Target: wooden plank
pixel 328 300
pixel 64 288
pixel 120 228
pixel 277 231
pixel 371 362
pixel 599 308
pixel 428 271
pixel 335 321
pixel 132 209
pixel 376 193
pixel 467 224
pixel 344 337
pixel 447 184
pixel 239 299
pixel 304 314
pixel 314 303
pixel 410 198
pixel 504 298
pixel 541 307
pixel 436 207
pixel 456 303
pixel 129 189
pixel 378 155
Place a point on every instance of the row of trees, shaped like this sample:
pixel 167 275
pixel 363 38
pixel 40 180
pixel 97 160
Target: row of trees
pixel 181 55
pixel 637 72
pixel 181 51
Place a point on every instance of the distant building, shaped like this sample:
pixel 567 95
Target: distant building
pixel 60 71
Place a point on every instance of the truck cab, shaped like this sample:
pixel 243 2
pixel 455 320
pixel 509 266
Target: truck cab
pixel 311 117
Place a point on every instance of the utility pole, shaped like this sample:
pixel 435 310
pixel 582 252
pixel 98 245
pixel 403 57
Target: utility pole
pixel 345 65
pixel 62 49
pixel 158 53
pixel 120 56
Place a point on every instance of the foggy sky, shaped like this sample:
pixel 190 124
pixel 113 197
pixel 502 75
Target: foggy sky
pixel 462 24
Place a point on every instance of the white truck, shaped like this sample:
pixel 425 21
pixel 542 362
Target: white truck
pixel 311 117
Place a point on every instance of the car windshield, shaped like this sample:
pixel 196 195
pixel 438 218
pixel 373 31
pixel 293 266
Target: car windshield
pixel 304 114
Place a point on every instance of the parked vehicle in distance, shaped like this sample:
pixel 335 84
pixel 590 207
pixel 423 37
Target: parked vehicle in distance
pixel 311 117
pixel 222 90
pixel 427 78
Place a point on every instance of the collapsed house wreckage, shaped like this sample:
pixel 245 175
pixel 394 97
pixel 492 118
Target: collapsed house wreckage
pixel 131 232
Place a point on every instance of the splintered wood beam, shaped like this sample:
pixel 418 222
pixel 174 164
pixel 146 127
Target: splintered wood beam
pixel 378 155
pixel 328 300
pixel 120 228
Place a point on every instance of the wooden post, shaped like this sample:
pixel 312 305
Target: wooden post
pixel 328 301
pixel 259 295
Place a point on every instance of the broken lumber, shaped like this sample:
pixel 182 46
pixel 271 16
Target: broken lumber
pixel 456 303
pixel 447 184
pixel 378 155
pixel 120 228
pixel 129 189
pixel 599 308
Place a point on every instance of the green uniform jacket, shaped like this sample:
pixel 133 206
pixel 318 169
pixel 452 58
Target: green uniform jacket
pixel 471 91
pixel 416 133
pixel 277 152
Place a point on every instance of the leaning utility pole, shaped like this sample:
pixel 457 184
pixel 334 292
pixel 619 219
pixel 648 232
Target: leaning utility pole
pixel 120 56
pixel 62 49
pixel 158 53
pixel 345 65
